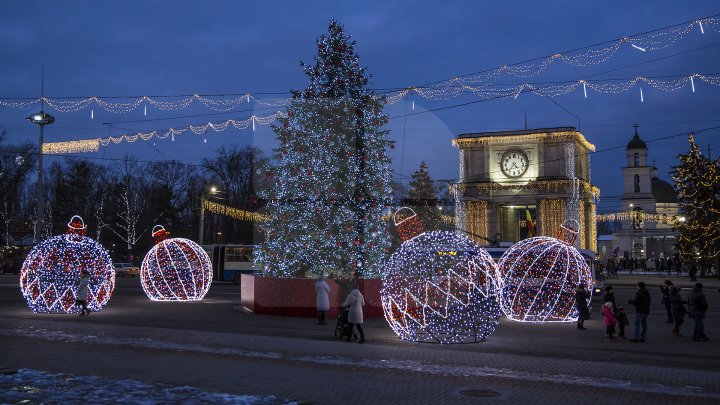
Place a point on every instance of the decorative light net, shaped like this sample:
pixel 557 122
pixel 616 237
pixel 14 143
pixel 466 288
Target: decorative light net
pixel 50 275
pixel 538 278
pixel 175 269
pixel 439 287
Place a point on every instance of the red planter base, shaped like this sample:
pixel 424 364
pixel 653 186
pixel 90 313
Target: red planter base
pixel 296 296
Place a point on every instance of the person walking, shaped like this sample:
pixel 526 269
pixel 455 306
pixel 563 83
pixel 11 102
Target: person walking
pixel 697 303
pixel 322 289
pixel 610 320
pixel 609 296
pixel 581 304
pixel 642 310
pixel 355 302
pixel 693 272
pixel 81 296
pixel 665 290
pixel 678 309
pixel 622 322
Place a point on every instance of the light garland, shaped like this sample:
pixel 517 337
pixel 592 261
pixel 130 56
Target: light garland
pixel 235 213
pixel 538 278
pixel 51 273
pixel 408 225
pixel 537 184
pixel 552 215
pixel 476 83
pixel 633 215
pixel 440 287
pixel 477 218
pixel 576 136
pixel 85 145
pixel 175 269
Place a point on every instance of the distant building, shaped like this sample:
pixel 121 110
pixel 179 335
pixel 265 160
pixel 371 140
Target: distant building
pixel 517 184
pixel 645 196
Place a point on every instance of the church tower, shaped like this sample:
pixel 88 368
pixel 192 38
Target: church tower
pixel 637 179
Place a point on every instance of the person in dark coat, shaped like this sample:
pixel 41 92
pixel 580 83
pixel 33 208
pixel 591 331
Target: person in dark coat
pixel 622 322
pixel 678 309
pixel 609 296
pixel 693 272
pixel 582 297
pixel 697 303
pixel 642 310
pixel 665 290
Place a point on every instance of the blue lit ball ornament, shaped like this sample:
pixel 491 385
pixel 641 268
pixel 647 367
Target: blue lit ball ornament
pixel 50 275
pixel 440 287
pixel 539 276
pixel 175 269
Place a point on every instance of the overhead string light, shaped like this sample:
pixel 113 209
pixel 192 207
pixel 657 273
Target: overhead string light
pixel 592 55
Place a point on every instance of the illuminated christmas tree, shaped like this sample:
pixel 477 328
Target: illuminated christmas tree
pixel 332 182
pixel 424 199
pixel 697 181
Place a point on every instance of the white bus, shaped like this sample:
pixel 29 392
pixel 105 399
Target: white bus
pixel 230 261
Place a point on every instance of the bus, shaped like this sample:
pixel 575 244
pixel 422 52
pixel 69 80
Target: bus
pixel 230 261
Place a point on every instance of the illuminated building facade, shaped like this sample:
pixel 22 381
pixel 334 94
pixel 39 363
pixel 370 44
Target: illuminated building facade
pixel 518 184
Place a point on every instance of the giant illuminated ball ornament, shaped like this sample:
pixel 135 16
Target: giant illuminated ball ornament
pixel 175 269
pixel 50 275
pixel 539 276
pixel 439 287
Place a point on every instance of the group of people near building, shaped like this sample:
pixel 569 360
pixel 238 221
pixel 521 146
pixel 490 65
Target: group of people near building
pixel 672 299
pixel 661 265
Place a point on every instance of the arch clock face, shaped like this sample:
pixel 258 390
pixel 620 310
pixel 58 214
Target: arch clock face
pixel 514 163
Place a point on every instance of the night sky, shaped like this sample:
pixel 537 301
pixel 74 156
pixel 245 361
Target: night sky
pixel 225 47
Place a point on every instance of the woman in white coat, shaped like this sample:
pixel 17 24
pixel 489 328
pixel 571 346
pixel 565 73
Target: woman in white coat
pixel 322 289
pixel 355 302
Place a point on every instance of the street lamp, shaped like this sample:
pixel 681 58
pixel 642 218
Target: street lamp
pixel 40 118
pixel 203 197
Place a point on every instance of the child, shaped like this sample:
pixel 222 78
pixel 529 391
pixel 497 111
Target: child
pixel 622 321
pixel 610 321
pixel 81 297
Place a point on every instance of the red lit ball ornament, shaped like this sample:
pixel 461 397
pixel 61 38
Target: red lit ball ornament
pixel 50 275
pixel 440 287
pixel 175 269
pixel 539 276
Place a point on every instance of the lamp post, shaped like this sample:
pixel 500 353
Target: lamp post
pixel 40 118
pixel 203 198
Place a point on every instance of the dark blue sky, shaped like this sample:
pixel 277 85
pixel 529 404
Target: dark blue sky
pixel 161 48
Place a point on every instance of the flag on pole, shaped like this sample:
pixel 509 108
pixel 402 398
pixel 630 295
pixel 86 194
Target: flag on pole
pixel 530 224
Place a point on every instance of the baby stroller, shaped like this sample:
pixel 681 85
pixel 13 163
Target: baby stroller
pixel 342 328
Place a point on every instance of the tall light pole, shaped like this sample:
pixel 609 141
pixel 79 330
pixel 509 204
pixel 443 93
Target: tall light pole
pixel 203 197
pixel 40 118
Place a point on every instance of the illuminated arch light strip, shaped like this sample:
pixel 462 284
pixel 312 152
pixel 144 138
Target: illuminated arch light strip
pixel 176 269
pixel 538 279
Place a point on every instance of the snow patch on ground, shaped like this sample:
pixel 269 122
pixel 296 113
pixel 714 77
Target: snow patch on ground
pixel 37 387
pixel 399 365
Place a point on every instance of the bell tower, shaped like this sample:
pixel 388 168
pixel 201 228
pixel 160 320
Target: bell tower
pixel 637 180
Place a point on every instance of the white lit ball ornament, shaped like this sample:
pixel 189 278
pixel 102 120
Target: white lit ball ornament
pixel 50 275
pixel 439 287
pixel 539 276
pixel 175 269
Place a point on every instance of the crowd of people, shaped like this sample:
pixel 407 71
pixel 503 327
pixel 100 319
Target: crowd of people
pixel 658 265
pixel 672 299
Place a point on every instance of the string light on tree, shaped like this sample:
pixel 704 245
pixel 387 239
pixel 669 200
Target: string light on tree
pixel 51 273
pixel 175 269
pixel 332 183
pixel 440 287
pixel 539 276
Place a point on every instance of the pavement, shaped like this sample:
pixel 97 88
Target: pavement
pixel 216 347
